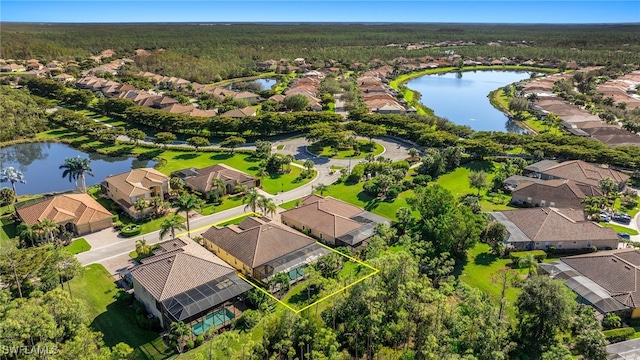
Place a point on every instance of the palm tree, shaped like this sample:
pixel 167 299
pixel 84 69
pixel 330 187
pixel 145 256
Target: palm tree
pixel 286 161
pixel 220 186
pixel 142 248
pixel 413 152
pixel 140 205
pixel 308 165
pixel 251 199
pixel 322 188
pixel 27 232
pixel 528 261
pixel 12 175
pixel 48 228
pixel 267 206
pixel 170 225
pixel 157 204
pixel 75 168
pixel 187 203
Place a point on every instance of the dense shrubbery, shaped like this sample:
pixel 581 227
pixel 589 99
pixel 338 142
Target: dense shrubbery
pixel 617 335
pixel 20 114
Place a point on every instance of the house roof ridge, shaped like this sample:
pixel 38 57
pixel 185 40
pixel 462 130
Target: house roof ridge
pixel 535 237
pixel 557 211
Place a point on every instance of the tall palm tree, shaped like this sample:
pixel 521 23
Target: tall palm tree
pixel 286 161
pixel 12 175
pixel 187 203
pixel 251 199
pixel 170 225
pixel 48 228
pixel 267 206
pixel 75 168
pixel 528 261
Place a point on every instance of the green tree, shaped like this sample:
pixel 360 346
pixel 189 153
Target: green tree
pixel 478 180
pixel 48 229
pixel 280 283
pixel 27 232
pixel 13 176
pixel 140 205
pixel 321 188
pixel 296 102
pixel 308 166
pixel 76 168
pixel 367 130
pixel 232 142
pixel 198 142
pixel 170 225
pixel 136 135
pixel 267 206
pixel 495 234
pixel 251 199
pixel 528 262
pixel 142 248
pixel 164 138
pixel 263 149
pixel 545 308
pixel 188 203
pixel 7 196
pixel 179 334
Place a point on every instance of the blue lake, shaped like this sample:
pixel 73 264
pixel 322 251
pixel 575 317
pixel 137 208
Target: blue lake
pixel 40 162
pixel 462 97
pixel 265 83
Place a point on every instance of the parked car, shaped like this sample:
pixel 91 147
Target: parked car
pixel 623 235
pixel 621 218
pixel 605 218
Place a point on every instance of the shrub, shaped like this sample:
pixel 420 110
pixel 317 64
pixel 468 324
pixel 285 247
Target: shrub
pixel 248 320
pixel 393 192
pixel 130 230
pixel 617 335
pixel 611 321
pixel 356 174
pixel 189 345
pixel 115 218
pixel 539 255
pixel 199 340
pixel 421 180
pixel 123 298
pixel 407 184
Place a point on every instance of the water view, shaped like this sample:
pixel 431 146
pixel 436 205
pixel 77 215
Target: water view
pixel 254 85
pixel 462 97
pixel 39 163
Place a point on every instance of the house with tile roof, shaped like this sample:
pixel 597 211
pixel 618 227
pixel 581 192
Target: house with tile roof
pixel 76 213
pixel 576 170
pixel 541 228
pixel 240 113
pixel 261 248
pixel 201 180
pixel 333 221
pixel 185 282
pixel 609 281
pixel 559 193
pixel 145 183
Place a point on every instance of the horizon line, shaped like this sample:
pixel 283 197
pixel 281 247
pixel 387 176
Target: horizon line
pixel 305 23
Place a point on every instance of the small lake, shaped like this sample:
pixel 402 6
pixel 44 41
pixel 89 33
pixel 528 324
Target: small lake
pixel 265 83
pixel 462 97
pixel 40 162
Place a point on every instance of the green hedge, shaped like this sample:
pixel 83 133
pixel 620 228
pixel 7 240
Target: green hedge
pixel 539 255
pixel 130 230
pixel 617 335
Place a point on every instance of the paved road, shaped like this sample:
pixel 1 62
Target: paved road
pixel 107 244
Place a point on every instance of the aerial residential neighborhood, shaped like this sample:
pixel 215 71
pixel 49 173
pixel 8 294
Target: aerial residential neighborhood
pixel 442 188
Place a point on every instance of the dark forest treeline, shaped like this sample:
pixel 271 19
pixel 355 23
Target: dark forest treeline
pixel 207 53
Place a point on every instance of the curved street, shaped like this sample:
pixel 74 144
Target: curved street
pixel 107 245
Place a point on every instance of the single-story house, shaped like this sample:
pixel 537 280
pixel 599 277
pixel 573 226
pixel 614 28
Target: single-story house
pixel 261 248
pixel 77 213
pixel 182 281
pixel 541 228
pixel 12 68
pixel 576 170
pixel 124 189
pixel 250 97
pixel 609 281
pixel 240 113
pixel 201 180
pixel 559 193
pixel 333 221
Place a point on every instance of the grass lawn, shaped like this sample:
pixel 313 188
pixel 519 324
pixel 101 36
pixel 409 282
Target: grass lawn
pixel 480 269
pixel 96 288
pixel 235 220
pixel 355 195
pixel 78 246
pixel 289 204
pixel 457 182
pixel 620 228
pixel 228 202
pixel 7 229
pixel 366 148
pixel 176 160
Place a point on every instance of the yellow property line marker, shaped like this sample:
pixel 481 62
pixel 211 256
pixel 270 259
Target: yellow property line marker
pixel 297 311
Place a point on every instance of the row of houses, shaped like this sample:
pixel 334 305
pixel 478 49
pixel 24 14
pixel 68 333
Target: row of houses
pixel 561 184
pixel 378 96
pixel 307 86
pixel 623 89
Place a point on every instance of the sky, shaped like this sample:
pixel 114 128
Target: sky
pixel 452 11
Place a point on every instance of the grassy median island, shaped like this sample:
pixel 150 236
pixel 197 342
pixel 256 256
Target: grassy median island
pixel 365 148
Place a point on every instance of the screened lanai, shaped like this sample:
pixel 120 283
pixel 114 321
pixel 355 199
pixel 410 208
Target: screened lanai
pixel 293 263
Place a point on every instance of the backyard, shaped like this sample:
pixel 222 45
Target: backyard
pixel 96 288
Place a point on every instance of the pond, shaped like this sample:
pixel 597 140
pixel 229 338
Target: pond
pixel 40 162
pixel 252 85
pixel 462 97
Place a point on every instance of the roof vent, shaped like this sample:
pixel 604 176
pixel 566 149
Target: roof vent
pixel 175 243
pixel 169 261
